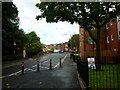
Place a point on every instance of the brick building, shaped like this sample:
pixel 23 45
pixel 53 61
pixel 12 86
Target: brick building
pixel 62 46
pixel 109 41
pixel 65 47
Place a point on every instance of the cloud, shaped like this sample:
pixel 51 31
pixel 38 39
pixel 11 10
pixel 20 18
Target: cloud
pixel 48 33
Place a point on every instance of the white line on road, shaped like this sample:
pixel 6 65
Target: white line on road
pixel 61 62
pixel 44 67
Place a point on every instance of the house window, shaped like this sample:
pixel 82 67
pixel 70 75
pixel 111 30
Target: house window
pixel 112 37
pixel 66 45
pixel 107 25
pixel 108 39
pixel 115 49
pixel 118 24
pixel 111 23
pixel 66 49
pixel 90 41
pixel 80 44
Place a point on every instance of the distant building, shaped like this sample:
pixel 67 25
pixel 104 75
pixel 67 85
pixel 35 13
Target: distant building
pixel 65 47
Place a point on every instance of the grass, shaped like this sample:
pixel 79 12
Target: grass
pixel 108 77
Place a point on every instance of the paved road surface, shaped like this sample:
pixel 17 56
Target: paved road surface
pixel 65 77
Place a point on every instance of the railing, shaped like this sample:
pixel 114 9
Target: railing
pixel 107 77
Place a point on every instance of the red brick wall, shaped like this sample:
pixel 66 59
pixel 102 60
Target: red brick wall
pixel 113 30
pixel 87 49
pixel 64 47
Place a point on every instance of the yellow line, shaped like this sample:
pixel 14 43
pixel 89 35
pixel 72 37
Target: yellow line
pixel 3 76
pixel 11 65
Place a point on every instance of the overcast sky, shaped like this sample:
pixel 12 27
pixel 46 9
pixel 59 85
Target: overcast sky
pixel 49 33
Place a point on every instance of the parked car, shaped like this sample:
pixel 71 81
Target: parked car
pixel 56 51
pixel 60 51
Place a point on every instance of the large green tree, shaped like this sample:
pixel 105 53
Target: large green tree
pixel 87 15
pixel 33 45
pixel 74 42
pixel 10 27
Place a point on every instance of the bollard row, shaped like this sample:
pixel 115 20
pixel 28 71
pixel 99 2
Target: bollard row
pixel 38 68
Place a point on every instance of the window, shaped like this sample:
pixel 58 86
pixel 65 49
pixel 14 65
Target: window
pixel 108 39
pixel 90 41
pixel 80 44
pixel 111 23
pixel 115 49
pixel 66 45
pixel 66 49
pixel 118 24
pixel 112 37
pixel 107 25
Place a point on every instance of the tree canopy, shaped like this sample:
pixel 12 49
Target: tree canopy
pixel 74 41
pixel 14 40
pixel 10 27
pixel 89 15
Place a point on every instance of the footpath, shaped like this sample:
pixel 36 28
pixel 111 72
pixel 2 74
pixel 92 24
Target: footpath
pixel 64 77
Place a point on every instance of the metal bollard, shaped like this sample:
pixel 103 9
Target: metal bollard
pixel 50 64
pixel 60 63
pixel 38 66
pixel 22 67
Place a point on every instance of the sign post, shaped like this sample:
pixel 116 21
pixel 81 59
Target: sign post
pixel 91 63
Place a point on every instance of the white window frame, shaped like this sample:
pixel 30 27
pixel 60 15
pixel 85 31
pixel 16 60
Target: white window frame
pixel 118 26
pixel 107 26
pixel 66 49
pixel 80 44
pixel 66 45
pixel 112 37
pixel 108 39
pixel 111 23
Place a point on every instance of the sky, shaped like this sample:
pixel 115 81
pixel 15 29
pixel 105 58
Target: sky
pixel 49 33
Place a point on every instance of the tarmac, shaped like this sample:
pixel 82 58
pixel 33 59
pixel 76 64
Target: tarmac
pixel 61 77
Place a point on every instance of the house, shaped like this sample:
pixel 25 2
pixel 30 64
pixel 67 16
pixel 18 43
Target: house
pixel 109 41
pixel 65 47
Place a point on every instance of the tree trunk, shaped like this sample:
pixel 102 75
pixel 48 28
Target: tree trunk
pixel 98 52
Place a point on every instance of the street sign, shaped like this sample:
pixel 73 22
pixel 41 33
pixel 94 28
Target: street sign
pixel 91 63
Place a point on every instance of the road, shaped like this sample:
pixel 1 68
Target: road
pixel 31 64
pixel 12 77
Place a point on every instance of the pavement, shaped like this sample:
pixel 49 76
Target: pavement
pixel 64 77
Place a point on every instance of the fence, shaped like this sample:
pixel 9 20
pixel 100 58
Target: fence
pixel 107 77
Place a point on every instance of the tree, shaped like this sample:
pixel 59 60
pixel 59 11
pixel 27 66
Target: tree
pixel 74 42
pixel 33 45
pixel 10 28
pixel 87 15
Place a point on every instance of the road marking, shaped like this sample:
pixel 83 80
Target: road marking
pixel 44 67
pixel 32 70
pixel 45 61
pixel 12 74
pixel 61 62
pixel 34 66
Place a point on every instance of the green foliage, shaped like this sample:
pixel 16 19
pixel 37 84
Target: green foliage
pixel 33 45
pixel 32 37
pixel 34 48
pixel 52 49
pixel 89 15
pixel 74 41
pixel 10 29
